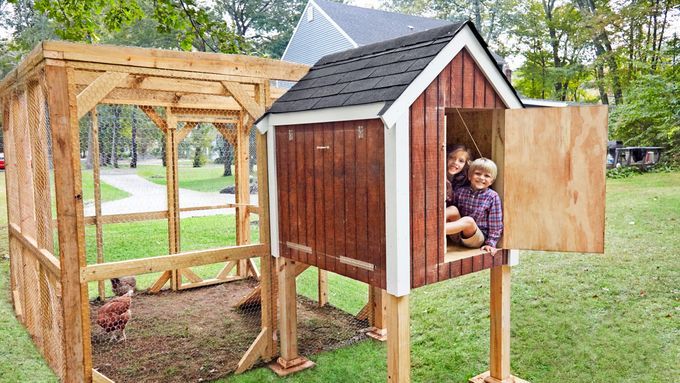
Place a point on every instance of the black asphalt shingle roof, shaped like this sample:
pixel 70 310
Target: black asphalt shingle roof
pixel 367 26
pixel 368 74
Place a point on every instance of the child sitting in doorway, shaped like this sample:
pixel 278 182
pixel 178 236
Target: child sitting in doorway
pixel 480 218
pixel 457 162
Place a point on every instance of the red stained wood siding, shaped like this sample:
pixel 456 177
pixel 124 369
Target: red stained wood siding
pixel 460 85
pixel 331 181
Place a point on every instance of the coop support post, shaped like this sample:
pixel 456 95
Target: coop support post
pixel 97 195
pixel 290 361
pixel 398 341
pixel 499 309
pixel 323 287
pixel 69 201
pixel 377 303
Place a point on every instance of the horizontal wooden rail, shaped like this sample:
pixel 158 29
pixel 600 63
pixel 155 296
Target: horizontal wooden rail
pixel 130 217
pixel 47 259
pixel 170 262
pixel 197 208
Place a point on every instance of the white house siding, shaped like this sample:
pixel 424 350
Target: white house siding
pixel 320 34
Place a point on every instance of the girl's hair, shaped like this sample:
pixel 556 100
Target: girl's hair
pixel 457 148
pixel 484 164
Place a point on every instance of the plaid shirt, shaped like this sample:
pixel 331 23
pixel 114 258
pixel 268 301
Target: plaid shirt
pixel 484 206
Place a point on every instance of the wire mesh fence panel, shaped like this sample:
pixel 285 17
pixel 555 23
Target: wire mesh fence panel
pixel 335 324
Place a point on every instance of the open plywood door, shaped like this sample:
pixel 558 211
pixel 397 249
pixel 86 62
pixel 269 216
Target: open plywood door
pixel 554 178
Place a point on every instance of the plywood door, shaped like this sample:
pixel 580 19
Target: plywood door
pixel 554 178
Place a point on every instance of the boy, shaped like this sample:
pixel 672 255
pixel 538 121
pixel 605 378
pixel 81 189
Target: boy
pixel 480 222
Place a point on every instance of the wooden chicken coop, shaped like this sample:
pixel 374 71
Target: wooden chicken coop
pixel 43 101
pixel 356 153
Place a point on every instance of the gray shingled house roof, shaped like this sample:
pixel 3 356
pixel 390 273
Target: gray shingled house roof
pixel 372 73
pixel 368 26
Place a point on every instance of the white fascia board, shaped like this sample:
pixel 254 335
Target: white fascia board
pixel 273 193
pixel 263 125
pixel 342 113
pixel 549 103
pixel 464 38
pixel 333 23
pixel 397 207
pixel 302 16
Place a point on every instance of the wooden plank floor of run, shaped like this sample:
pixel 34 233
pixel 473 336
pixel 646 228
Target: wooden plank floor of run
pixel 462 261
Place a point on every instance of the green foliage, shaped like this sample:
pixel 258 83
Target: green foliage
pixel 651 114
pixel 623 172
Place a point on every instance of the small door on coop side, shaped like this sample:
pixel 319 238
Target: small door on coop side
pixel 554 178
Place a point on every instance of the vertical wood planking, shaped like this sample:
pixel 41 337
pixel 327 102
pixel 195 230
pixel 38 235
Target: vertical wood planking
pixel 294 220
pixel 489 95
pixel 329 197
pixel 300 191
pixel 468 80
pixel 309 192
pixel 480 87
pixel 282 163
pixel 418 146
pixel 374 175
pixel 352 191
pixel 339 193
pixel 319 197
pixel 434 172
pixel 362 227
pixel 444 100
pixel 64 126
pixel 456 87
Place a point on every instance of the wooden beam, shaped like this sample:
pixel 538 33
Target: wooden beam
pixel 46 259
pixel 242 183
pixel 252 269
pixel 322 287
pixel 66 152
pixel 255 351
pixel 398 342
pixel 172 187
pixel 182 134
pixel 235 65
pixel 226 270
pixel 191 276
pixel 128 217
pixel 249 104
pixel 155 118
pixel 98 377
pixel 185 99
pixel 499 354
pixel 254 295
pixel 97 90
pixel 168 262
pixel 377 302
pixel 160 282
pixel 209 282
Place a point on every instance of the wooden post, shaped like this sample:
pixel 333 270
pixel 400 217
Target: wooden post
pixel 267 298
pixel 172 188
pixel 69 201
pixel 377 313
pixel 323 287
pixel 242 181
pixel 97 196
pixel 398 343
pixel 499 352
pixel 290 361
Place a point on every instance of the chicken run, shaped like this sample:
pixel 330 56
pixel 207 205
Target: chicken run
pixel 119 270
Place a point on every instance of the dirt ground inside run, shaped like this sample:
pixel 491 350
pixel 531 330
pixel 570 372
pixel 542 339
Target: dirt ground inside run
pixel 199 335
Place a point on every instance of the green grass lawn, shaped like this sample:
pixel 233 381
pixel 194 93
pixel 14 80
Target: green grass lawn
pixel 206 179
pixel 109 193
pixel 575 317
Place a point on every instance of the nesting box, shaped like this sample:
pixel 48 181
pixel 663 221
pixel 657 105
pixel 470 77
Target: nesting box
pixel 357 152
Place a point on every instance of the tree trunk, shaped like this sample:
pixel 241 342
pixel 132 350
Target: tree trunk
pixel 599 76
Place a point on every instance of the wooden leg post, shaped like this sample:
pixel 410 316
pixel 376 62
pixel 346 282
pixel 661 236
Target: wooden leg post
pixel 499 355
pixel 323 287
pixel 398 343
pixel 378 310
pixel 290 361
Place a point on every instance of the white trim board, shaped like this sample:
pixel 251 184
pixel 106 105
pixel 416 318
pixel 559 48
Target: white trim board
pixel 273 192
pixel 397 207
pixel 465 38
pixel 342 113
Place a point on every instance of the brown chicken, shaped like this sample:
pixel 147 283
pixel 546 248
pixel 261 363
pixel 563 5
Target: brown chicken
pixel 114 316
pixel 121 286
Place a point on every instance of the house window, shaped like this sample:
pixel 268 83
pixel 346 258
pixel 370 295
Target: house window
pixel 310 14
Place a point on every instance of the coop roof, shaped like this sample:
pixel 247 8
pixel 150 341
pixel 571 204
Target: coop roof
pixel 382 72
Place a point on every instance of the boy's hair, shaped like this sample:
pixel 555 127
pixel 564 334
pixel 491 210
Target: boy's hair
pixel 458 148
pixel 484 164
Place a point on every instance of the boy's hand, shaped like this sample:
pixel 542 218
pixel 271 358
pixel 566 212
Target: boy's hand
pixel 489 249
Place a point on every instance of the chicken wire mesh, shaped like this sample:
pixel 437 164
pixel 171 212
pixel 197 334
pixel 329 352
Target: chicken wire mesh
pixel 36 288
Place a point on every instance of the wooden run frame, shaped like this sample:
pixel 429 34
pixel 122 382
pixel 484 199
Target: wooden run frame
pixel 52 88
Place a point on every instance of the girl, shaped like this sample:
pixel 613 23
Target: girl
pixel 457 162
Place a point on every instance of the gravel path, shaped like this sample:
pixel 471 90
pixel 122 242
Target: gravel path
pixel 146 196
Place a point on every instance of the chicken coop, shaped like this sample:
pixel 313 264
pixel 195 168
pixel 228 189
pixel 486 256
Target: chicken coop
pixel 356 153
pixel 82 124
